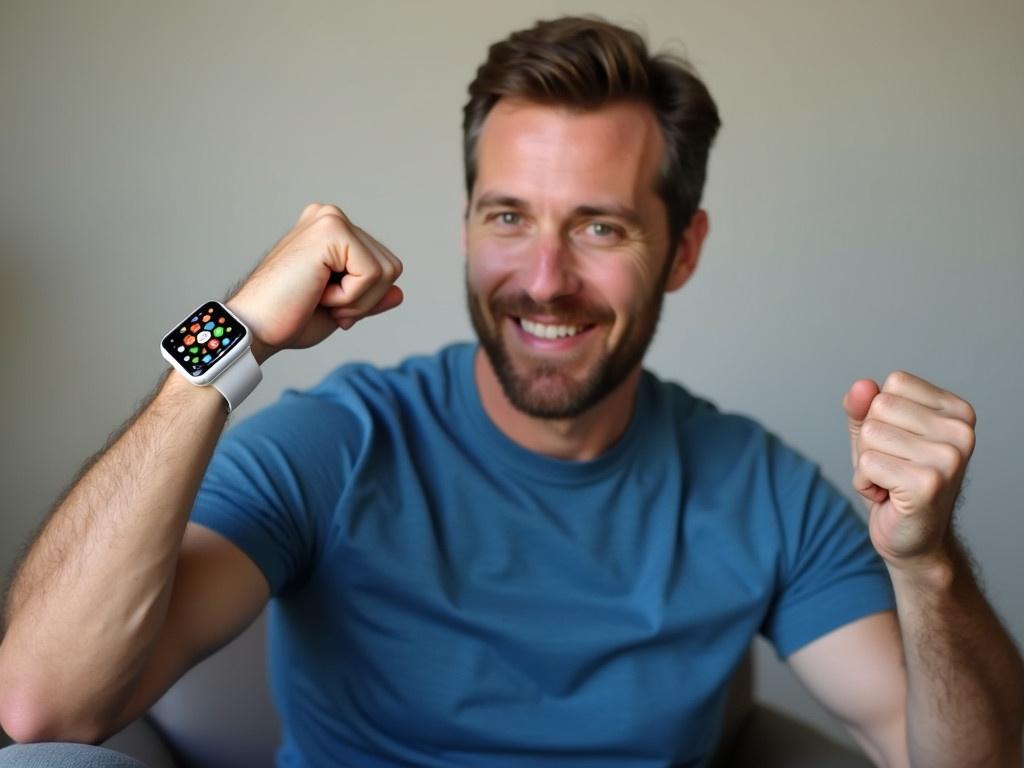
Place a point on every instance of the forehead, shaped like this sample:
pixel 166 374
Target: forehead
pixel 537 151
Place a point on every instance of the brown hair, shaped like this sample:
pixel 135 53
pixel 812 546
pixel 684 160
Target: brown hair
pixel 586 62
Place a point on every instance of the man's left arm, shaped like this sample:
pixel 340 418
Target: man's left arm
pixel 965 680
pixel 943 686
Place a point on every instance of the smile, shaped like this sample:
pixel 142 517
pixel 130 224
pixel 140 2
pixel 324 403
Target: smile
pixel 546 331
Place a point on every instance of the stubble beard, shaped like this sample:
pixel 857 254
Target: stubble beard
pixel 544 389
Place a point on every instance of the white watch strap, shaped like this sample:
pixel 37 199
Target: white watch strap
pixel 240 378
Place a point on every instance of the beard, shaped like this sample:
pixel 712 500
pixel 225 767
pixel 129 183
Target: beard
pixel 545 388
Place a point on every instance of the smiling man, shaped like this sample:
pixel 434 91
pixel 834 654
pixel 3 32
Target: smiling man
pixel 527 551
pixel 569 256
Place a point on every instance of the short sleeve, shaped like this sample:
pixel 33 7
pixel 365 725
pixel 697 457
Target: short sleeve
pixel 273 481
pixel 830 574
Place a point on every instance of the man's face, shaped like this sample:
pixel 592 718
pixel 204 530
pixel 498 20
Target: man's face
pixel 567 252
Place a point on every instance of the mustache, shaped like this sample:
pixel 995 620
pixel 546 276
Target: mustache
pixel 570 311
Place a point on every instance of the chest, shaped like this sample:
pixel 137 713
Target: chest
pixel 513 618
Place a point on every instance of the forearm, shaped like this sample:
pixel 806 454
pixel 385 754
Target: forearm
pixel 89 599
pixel 965 700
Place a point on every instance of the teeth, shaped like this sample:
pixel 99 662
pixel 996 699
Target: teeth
pixel 542 331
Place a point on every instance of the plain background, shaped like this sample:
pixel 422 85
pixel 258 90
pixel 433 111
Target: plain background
pixel 865 197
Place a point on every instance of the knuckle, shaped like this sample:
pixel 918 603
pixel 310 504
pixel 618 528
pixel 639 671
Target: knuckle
pixel 970 415
pixel 330 210
pixel 873 429
pixel 866 461
pixel 884 402
pixel 331 213
pixel 329 225
pixel 895 380
pixel 949 458
pixel 931 481
pixel 963 437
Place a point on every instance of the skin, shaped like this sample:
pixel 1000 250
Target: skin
pixel 564 227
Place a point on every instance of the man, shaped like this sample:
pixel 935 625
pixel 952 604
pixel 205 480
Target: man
pixel 531 551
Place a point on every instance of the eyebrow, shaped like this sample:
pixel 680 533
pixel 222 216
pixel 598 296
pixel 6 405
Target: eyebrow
pixel 580 211
pixel 499 201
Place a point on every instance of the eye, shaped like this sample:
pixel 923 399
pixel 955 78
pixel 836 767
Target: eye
pixel 602 233
pixel 509 218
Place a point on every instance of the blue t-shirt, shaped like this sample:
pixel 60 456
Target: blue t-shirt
pixel 444 597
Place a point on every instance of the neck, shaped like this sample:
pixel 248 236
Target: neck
pixel 580 438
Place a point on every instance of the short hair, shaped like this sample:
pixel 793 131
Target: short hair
pixel 585 62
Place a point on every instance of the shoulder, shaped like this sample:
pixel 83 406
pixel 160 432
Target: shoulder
pixel 732 450
pixel 358 385
pixel 353 403
pixel 704 428
pixel 343 405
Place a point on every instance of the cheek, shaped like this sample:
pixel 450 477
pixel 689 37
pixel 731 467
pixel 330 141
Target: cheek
pixel 490 264
pixel 621 285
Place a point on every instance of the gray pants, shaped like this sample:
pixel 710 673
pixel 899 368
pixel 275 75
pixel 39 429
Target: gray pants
pixel 58 754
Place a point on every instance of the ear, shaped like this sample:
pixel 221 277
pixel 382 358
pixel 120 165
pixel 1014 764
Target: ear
pixel 687 252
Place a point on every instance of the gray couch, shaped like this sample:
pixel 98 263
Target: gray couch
pixel 220 715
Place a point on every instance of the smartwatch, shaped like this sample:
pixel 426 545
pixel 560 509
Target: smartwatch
pixel 213 346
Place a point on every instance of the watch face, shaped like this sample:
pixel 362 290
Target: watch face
pixel 203 338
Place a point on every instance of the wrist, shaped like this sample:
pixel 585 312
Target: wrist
pixel 188 398
pixel 935 572
pixel 260 349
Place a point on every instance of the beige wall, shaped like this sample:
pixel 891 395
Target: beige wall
pixel 865 198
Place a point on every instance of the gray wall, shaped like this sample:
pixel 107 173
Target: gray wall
pixel 865 198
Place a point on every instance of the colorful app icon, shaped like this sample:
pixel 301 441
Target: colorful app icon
pixel 195 327
pixel 213 344
pixel 190 339
pixel 203 337
pixel 207 358
pixel 220 319
pixel 226 342
pixel 218 331
pixel 195 359
pixel 209 326
pixel 183 329
pixel 206 318
pixel 194 350
pixel 181 349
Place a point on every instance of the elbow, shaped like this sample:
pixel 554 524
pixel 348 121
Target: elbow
pixel 17 722
pixel 26 724
pixel 29 705
pixel 29 714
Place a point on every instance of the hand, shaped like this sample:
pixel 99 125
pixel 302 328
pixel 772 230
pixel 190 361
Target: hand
pixel 910 444
pixel 294 298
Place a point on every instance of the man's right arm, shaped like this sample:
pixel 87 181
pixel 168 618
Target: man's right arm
pixel 88 602
pixel 119 594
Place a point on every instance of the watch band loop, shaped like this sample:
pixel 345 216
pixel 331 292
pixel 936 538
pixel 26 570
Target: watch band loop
pixel 239 380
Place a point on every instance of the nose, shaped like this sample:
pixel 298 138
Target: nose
pixel 552 270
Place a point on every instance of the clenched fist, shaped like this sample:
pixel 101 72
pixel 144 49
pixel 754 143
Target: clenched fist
pixel 326 273
pixel 910 444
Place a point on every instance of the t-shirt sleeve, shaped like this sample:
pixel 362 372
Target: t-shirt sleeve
pixel 830 574
pixel 271 484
